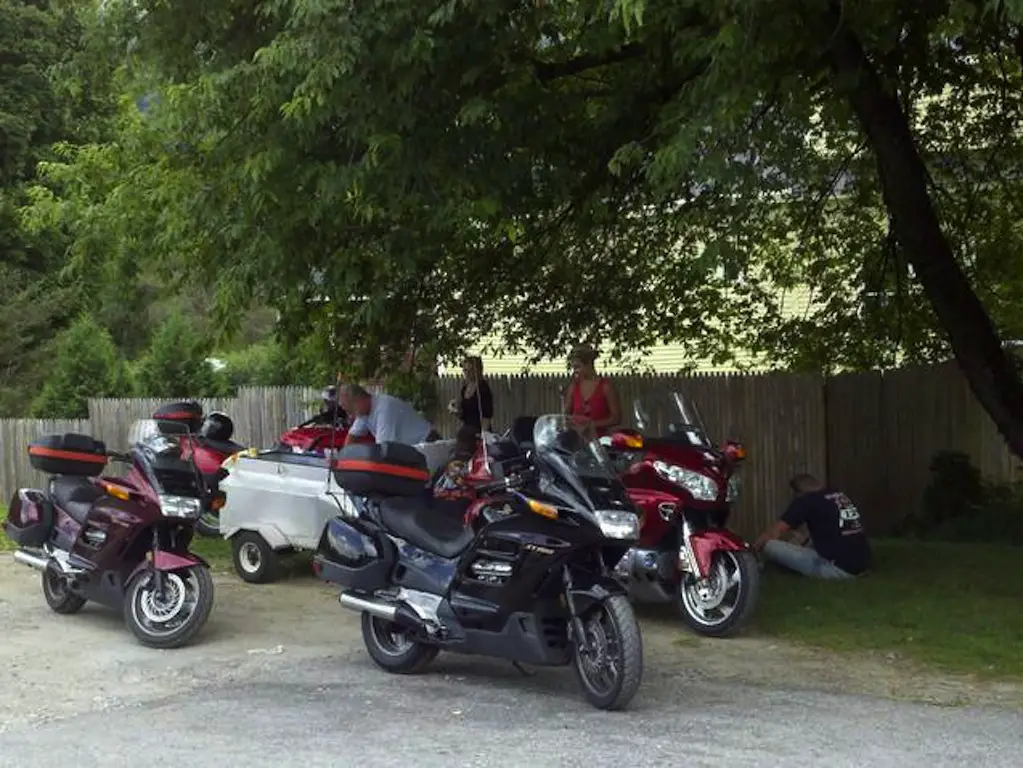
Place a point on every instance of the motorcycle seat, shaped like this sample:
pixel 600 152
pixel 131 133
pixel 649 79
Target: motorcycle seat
pixel 226 447
pixel 74 495
pixel 438 529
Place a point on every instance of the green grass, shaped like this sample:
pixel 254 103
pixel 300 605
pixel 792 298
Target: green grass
pixel 958 607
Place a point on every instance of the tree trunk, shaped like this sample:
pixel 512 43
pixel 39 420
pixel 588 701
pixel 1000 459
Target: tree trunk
pixel 991 375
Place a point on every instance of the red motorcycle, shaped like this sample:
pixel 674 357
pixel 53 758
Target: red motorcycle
pixel 685 487
pixel 327 429
pixel 207 445
pixel 121 542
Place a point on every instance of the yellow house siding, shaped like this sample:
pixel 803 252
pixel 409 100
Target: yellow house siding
pixel 662 358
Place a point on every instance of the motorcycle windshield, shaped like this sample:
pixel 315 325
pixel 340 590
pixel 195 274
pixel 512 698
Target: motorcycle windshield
pixel 148 434
pixel 676 414
pixel 573 452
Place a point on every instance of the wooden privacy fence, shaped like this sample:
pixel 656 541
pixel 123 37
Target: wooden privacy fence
pixel 872 434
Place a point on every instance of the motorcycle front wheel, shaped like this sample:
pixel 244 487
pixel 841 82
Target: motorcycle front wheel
pixel 609 660
pixel 722 604
pixel 172 618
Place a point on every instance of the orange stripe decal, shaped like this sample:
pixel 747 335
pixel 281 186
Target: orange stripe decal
pixel 361 465
pixel 57 453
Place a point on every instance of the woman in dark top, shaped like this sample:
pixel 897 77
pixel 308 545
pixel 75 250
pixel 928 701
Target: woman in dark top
pixel 476 404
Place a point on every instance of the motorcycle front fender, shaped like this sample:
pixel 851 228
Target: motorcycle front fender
pixel 168 561
pixel 706 543
pixel 593 592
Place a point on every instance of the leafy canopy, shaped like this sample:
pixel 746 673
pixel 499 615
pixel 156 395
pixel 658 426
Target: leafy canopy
pixel 403 172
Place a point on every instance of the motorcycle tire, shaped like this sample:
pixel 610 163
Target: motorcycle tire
pixel 135 607
pixel 612 620
pixel 204 527
pixel 58 594
pixel 745 602
pixel 407 658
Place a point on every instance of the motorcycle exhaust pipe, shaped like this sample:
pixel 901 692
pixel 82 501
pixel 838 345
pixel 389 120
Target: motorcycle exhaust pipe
pixel 27 558
pixel 399 614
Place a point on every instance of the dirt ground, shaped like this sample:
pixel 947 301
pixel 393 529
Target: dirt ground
pixel 56 665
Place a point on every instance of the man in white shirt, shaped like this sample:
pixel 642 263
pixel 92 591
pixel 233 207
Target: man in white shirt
pixel 387 418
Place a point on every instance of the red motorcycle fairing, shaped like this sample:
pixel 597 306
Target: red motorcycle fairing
pixel 706 543
pixel 168 561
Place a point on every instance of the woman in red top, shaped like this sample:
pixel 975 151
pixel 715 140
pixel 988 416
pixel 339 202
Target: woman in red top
pixel 591 399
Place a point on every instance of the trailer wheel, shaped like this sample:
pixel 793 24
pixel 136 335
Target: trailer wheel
pixel 254 560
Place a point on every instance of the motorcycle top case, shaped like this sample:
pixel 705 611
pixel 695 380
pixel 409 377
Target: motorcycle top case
pixel 30 518
pixel 68 454
pixel 187 413
pixel 385 469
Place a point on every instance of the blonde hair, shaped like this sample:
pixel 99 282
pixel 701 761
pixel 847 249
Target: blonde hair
pixel 476 363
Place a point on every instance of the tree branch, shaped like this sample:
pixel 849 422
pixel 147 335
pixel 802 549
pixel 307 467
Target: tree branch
pixel 547 71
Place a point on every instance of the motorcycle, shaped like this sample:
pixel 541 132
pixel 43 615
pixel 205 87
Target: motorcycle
pixel 207 445
pixel 323 432
pixel 121 542
pixel 685 487
pixel 523 572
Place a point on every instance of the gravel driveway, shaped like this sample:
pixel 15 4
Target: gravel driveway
pixel 280 679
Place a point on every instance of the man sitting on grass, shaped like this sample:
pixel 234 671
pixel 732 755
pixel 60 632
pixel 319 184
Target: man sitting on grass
pixel 838 548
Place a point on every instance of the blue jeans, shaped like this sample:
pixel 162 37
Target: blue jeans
pixel 804 560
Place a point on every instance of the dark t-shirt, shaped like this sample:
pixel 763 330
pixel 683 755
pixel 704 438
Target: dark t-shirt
pixel 835 527
pixel 482 401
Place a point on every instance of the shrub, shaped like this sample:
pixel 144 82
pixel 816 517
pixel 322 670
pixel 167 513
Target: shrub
pixel 960 506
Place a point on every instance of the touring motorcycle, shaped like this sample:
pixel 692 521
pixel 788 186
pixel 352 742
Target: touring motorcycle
pixel 523 572
pixel 685 487
pixel 121 542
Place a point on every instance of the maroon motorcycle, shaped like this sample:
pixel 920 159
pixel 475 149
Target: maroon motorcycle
pixel 121 542
pixel 685 487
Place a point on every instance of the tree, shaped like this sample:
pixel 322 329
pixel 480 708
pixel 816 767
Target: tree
pixel 84 363
pixel 408 173
pixel 175 364
pixel 47 95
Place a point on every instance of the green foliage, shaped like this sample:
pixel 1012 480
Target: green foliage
pixel 960 506
pixel 405 173
pixel 84 363
pixel 258 365
pixel 175 364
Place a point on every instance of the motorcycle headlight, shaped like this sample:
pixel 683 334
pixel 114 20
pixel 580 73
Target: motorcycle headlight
pixel 180 506
pixel 701 487
pixel 734 487
pixel 618 524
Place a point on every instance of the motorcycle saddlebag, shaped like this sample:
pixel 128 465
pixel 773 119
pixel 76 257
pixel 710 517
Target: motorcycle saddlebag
pixel 387 469
pixel 68 454
pixel 353 558
pixel 30 518
pixel 175 418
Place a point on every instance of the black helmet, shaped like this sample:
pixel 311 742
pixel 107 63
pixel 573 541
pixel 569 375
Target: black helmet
pixel 217 426
pixel 329 396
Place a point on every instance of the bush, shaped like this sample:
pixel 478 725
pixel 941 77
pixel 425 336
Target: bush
pixel 960 506
pixel 175 364
pixel 86 364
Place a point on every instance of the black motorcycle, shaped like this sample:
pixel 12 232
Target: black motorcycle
pixel 521 573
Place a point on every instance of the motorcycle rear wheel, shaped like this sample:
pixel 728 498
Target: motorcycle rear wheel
pixel 393 648
pixel 741 586
pixel 609 661
pixel 58 594
pixel 173 620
